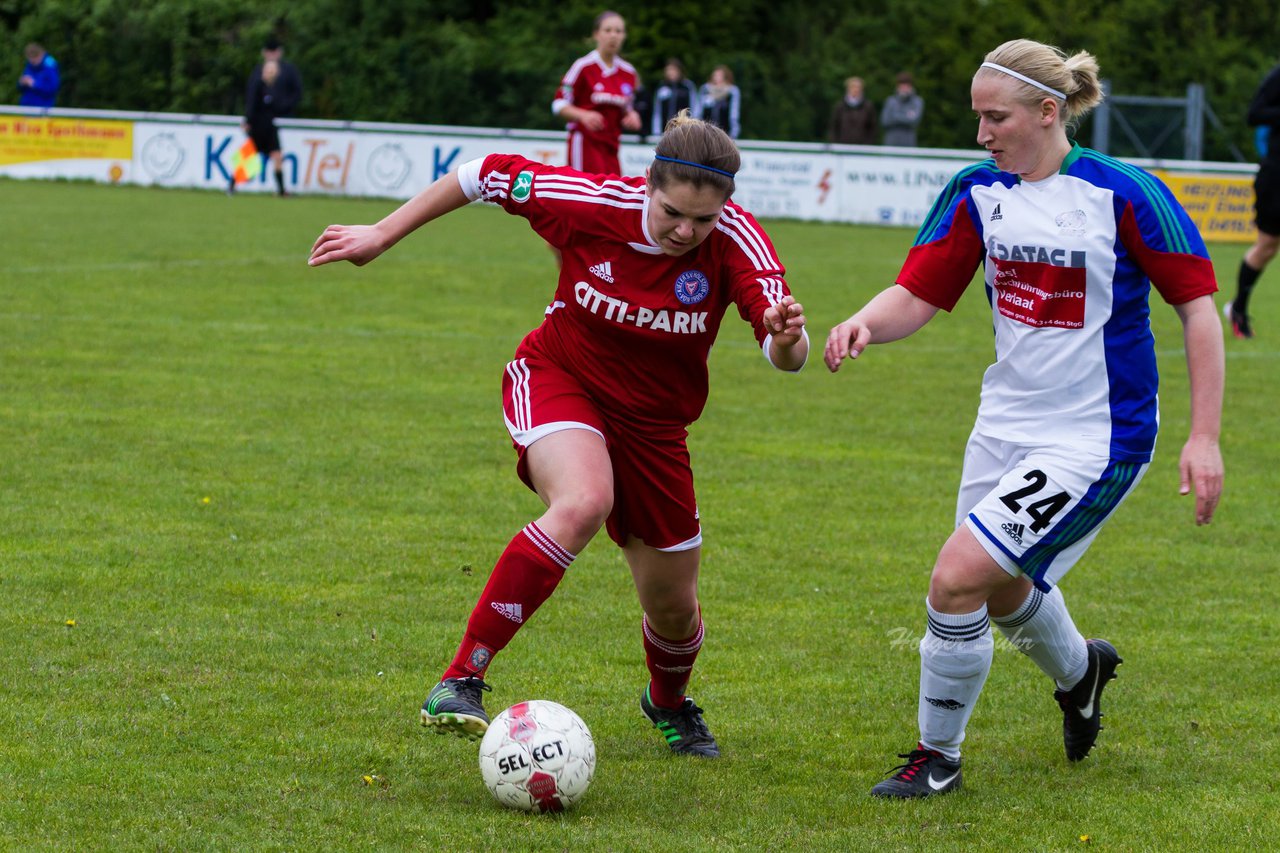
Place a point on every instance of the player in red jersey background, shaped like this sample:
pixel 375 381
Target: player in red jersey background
pixel 596 97
pixel 599 397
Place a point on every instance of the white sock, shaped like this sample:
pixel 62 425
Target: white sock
pixel 1042 629
pixel 955 657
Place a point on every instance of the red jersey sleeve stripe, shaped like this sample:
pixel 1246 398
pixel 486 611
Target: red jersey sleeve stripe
pixel 494 186
pixel 774 289
pixel 748 226
pixel 749 239
pixel 571 76
pixel 635 185
pixel 582 198
pixel 610 189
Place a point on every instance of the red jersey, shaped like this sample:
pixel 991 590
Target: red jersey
pixel 630 323
pixel 589 85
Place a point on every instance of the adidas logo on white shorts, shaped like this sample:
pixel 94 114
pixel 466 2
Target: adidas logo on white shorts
pixel 1014 531
pixel 514 612
pixel 603 271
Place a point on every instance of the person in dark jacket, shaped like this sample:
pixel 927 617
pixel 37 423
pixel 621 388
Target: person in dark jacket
pixel 901 113
pixel 675 93
pixel 853 120
pixel 722 101
pixel 274 90
pixel 39 80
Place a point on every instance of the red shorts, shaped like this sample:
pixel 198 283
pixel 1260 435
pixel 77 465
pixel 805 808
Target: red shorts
pixel 653 496
pixel 587 154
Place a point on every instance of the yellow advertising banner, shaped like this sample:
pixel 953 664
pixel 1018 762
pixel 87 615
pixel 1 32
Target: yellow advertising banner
pixel 25 139
pixel 1220 206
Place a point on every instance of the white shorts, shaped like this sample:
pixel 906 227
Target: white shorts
pixel 1036 509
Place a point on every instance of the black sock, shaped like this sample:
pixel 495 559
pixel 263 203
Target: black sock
pixel 280 181
pixel 1247 278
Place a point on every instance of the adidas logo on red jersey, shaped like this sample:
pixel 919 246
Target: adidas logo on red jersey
pixel 603 271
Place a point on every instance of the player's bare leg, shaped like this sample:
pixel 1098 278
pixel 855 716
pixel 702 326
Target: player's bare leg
pixel 572 474
pixel 667 585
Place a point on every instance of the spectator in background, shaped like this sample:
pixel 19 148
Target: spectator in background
pixel 1264 113
pixel 901 113
pixel 853 121
pixel 597 99
pixel 39 80
pixel 722 102
pixel 675 93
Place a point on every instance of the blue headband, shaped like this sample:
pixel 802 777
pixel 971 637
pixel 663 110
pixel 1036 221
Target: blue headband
pixel 694 165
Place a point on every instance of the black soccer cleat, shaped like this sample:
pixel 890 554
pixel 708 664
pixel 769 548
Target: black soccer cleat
pixel 683 727
pixel 454 707
pixel 1240 326
pixel 1081 705
pixel 926 774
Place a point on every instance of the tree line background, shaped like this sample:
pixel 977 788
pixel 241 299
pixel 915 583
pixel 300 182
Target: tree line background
pixel 497 64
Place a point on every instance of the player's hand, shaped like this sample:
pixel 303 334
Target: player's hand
pixel 358 244
pixel 785 321
pixel 847 340
pixel 591 120
pixel 1200 467
pixel 631 121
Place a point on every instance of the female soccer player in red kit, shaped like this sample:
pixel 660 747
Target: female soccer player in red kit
pixel 599 397
pixel 595 98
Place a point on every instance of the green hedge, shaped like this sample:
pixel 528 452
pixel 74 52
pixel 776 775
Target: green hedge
pixel 498 63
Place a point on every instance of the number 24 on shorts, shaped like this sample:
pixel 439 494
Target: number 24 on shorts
pixel 1041 511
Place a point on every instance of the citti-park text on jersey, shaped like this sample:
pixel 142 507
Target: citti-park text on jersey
pixel 621 311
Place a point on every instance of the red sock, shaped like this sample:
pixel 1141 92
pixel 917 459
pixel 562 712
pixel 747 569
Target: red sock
pixel 524 577
pixel 669 662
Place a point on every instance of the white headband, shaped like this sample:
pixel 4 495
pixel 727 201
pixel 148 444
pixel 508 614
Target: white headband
pixel 1025 79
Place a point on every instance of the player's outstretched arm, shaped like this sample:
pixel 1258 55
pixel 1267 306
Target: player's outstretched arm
pixel 892 314
pixel 789 346
pixel 360 244
pixel 1200 465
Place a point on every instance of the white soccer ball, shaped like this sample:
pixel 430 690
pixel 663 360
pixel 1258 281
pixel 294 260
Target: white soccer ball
pixel 538 756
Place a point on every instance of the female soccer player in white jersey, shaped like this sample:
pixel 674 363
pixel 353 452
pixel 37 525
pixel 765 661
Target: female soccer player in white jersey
pixel 596 98
pixel 1070 242
pixel 599 397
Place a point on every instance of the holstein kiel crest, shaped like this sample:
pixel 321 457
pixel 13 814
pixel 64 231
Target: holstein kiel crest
pixel 480 657
pixel 692 287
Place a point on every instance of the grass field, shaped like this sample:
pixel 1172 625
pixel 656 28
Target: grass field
pixel 268 496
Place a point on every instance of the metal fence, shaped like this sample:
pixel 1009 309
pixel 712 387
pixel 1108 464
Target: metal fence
pixel 1158 128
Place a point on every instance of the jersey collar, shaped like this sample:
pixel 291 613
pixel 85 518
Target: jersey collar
pixel 651 247
pixel 598 60
pixel 1072 156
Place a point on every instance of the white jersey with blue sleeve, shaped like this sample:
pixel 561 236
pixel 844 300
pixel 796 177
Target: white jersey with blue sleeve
pixel 1068 266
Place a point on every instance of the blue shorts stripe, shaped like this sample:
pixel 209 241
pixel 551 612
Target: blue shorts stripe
pixel 973 519
pixel 1099 502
